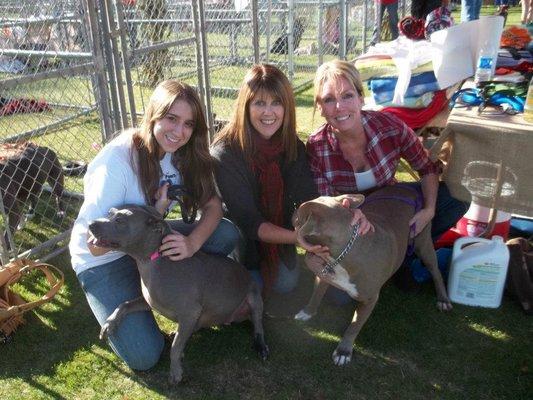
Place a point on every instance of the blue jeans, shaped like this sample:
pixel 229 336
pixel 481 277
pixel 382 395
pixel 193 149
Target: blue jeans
pixel 470 10
pixel 448 211
pixel 393 20
pixel 287 278
pixel 138 340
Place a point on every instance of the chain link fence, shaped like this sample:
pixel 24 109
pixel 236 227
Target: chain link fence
pixel 75 72
pixel 48 119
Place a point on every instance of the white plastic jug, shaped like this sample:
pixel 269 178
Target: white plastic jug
pixel 477 271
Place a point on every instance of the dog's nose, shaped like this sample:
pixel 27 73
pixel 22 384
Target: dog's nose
pixel 95 226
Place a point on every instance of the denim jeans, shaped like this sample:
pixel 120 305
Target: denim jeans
pixel 287 278
pixel 379 10
pixel 138 340
pixel 448 211
pixel 470 10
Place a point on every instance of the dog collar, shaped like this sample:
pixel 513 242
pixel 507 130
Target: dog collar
pixel 329 268
pixel 155 255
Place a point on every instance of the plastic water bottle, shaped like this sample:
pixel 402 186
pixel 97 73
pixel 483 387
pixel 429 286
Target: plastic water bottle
pixel 485 64
pixel 528 106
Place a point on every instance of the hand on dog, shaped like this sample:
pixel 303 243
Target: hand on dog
pixel 319 250
pixel 421 219
pixel 94 249
pixel 162 201
pixel 358 217
pixel 177 247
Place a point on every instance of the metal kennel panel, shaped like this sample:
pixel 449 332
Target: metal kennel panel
pixel 228 41
pixel 161 43
pixel 50 117
pixel 299 35
pixel 72 74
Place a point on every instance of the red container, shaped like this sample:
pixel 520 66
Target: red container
pixel 474 223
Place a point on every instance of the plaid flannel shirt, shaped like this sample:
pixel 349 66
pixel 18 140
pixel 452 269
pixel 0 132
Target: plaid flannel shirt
pixel 388 140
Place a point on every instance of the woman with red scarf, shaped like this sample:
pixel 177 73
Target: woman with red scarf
pixel 262 172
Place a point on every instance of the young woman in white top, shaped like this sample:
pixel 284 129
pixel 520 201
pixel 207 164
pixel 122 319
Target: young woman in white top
pixel 137 167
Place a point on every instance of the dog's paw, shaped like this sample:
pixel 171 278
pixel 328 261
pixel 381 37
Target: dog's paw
pixel 341 357
pixel 107 330
pixel 263 352
pixel 303 316
pixel 444 305
pixel 175 377
pixel 261 347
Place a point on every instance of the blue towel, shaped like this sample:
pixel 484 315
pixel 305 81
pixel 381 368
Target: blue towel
pixel 383 88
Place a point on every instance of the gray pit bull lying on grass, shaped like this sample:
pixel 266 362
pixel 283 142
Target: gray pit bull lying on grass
pixel 361 265
pixel 200 291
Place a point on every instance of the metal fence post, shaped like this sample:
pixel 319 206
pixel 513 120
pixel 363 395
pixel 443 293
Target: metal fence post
pixel 268 30
pixel 365 23
pixel 126 62
pixel 115 63
pixel 290 40
pixel 200 28
pixel 108 61
pixel 99 80
pixel 255 30
pixel 342 29
pixel 4 249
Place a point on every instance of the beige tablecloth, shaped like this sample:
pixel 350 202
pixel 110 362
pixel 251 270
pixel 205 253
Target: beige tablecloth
pixel 490 159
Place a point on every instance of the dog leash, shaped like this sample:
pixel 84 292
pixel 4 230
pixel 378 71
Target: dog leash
pixel 329 268
pixel 416 204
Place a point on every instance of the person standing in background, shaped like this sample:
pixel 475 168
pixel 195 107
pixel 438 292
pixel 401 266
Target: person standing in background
pixel 527 12
pixel 379 8
pixel 421 8
pixel 470 10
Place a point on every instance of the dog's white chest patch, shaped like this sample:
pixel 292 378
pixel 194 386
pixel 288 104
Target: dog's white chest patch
pixel 341 279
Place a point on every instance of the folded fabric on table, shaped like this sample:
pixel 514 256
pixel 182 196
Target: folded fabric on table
pixel 375 65
pixel 413 102
pixel 378 65
pixel 415 119
pixel 511 57
pixel 507 75
pixel 383 88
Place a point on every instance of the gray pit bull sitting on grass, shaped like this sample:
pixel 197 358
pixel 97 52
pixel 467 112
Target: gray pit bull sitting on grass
pixel 361 265
pixel 200 291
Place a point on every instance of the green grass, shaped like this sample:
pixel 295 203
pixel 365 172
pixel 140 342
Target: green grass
pixel 407 350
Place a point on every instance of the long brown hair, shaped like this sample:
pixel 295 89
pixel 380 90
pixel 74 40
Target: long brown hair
pixel 192 160
pixel 238 132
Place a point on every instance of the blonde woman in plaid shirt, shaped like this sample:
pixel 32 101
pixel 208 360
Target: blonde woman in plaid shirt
pixel 358 151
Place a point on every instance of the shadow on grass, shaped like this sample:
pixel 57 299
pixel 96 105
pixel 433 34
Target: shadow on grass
pixel 406 350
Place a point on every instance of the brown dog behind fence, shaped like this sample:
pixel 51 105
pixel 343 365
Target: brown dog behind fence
pixel 24 168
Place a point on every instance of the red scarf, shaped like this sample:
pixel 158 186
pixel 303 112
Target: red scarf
pixel 266 164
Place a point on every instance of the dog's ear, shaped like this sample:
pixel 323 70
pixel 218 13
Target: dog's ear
pixel 310 225
pixel 355 200
pixel 155 225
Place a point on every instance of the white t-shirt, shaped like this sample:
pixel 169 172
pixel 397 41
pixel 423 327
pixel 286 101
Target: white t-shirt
pixel 110 181
pixel 365 180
